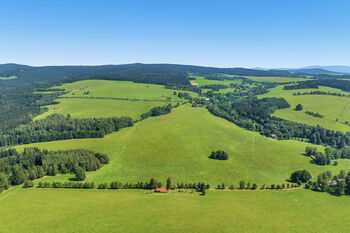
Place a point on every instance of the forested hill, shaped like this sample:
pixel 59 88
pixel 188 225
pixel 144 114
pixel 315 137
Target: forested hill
pixel 12 66
pixel 149 73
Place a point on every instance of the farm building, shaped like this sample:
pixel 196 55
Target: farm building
pixel 160 190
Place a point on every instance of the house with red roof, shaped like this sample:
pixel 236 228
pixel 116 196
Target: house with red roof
pixel 160 190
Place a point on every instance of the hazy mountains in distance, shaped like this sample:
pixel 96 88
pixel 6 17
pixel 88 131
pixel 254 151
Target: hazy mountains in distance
pixel 314 69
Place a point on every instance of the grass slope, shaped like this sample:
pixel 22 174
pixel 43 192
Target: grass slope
pixel 117 89
pixel 177 145
pixel 90 108
pixel 59 210
pixel 331 107
pixel 8 78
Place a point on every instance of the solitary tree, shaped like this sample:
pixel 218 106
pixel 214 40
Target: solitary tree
pixel 242 184
pixel 168 183
pixel 299 107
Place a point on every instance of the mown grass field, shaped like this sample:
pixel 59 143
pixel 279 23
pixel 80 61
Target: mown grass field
pixel 90 108
pixel 331 107
pixel 275 79
pixel 8 78
pixel 131 99
pixel 177 145
pixel 117 89
pixel 63 210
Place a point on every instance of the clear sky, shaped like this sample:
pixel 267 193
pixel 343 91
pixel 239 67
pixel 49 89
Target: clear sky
pixel 237 33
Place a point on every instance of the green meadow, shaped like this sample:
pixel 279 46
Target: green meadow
pixel 177 145
pixel 63 210
pixel 8 78
pixel 117 89
pixel 191 134
pixel 90 108
pixel 101 98
pixel 331 107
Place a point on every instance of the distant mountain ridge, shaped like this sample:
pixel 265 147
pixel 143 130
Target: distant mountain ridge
pixel 314 69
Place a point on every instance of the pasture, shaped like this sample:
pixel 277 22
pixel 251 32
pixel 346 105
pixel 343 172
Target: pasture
pixel 91 108
pixel 63 210
pixel 117 89
pixel 177 145
pixel 8 78
pixel 331 107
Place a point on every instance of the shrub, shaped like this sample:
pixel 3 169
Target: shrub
pixel 28 184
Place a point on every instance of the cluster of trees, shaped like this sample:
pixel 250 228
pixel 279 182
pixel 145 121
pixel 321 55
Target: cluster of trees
pixel 300 176
pixel 69 185
pixel 337 185
pixel 58 127
pixel 243 185
pixel 215 87
pixel 320 93
pixel 314 114
pixel 319 157
pixel 152 184
pixel 341 84
pixel 219 155
pixel 17 167
pixel 184 95
pixel 255 114
pixel 301 85
pixel 157 111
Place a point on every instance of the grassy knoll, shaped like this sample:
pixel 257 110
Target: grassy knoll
pixel 59 210
pixel 90 108
pixel 117 89
pixel 331 107
pixel 177 145
pixel 8 78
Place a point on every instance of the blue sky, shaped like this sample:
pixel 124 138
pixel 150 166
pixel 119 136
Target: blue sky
pixel 213 33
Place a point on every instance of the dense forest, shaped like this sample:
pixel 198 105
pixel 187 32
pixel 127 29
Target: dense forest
pixel 59 127
pixel 17 167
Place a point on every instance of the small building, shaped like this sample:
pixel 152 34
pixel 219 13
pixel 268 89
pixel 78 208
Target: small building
pixel 160 190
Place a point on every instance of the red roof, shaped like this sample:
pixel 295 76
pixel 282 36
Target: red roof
pixel 160 190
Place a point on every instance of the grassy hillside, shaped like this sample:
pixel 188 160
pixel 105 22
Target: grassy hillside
pixel 331 107
pixel 177 145
pixel 93 98
pixel 90 108
pixel 117 89
pixel 58 210
pixel 8 78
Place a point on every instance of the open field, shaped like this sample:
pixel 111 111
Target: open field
pixel 90 108
pixel 62 210
pixel 178 144
pixel 8 78
pixel 331 107
pixel 275 79
pixel 117 89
